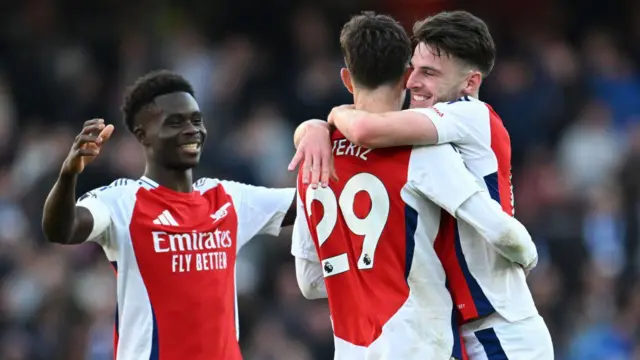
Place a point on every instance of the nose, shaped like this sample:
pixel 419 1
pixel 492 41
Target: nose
pixel 412 81
pixel 189 128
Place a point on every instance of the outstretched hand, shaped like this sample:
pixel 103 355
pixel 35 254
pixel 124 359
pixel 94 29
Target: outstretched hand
pixel 87 146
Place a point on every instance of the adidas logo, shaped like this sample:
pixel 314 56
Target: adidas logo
pixel 165 219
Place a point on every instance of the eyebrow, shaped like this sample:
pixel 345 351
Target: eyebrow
pixel 184 114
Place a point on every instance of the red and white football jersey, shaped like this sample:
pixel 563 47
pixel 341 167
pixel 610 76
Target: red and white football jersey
pixel 373 232
pixel 174 255
pixel 481 280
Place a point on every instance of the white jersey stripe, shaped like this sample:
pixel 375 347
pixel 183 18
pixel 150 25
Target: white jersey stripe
pixel 170 218
pixel 163 219
pixel 149 182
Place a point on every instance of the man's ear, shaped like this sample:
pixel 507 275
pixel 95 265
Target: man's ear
pixel 473 83
pixel 345 75
pixel 141 135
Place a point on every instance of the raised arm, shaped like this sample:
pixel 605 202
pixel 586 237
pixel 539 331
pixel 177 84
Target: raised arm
pixel 441 176
pixel 62 221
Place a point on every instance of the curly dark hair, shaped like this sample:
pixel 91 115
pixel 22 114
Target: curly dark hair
pixel 376 49
pixel 461 35
pixel 147 88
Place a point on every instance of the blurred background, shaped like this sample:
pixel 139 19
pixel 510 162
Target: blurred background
pixel 566 84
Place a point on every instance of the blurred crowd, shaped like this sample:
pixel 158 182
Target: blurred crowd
pixel 566 84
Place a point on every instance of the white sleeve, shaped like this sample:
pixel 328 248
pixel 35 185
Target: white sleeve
pixel 310 279
pixel 438 173
pixel 101 213
pixel 308 266
pixel 302 245
pixel 260 210
pixel 455 121
pixel 504 233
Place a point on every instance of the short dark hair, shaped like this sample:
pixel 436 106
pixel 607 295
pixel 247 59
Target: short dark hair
pixel 459 34
pixel 147 88
pixel 376 49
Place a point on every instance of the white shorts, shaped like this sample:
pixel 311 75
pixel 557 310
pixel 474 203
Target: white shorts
pixel 495 338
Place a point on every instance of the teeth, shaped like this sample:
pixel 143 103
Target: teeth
pixel 419 98
pixel 190 147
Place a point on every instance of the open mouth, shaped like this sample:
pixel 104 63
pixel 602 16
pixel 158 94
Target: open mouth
pixel 191 148
pixel 418 100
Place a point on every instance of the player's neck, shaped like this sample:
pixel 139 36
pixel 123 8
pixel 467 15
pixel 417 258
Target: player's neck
pixel 377 101
pixel 176 180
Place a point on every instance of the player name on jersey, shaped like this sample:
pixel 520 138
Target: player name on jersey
pixel 344 147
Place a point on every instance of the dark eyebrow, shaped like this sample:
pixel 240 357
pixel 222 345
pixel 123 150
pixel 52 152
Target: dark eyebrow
pixel 184 115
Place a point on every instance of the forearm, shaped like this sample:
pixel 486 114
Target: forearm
pixel 310 279
pixel 396 128
pixel 505 234
pixel 302 129
pixel 59 216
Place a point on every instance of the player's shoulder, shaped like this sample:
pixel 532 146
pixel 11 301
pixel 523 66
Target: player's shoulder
pixel 241 192
pixel 205 183
pixel 469 112
pixel 427 163
pixel 230 187
pixel 116 190
pixel 465 107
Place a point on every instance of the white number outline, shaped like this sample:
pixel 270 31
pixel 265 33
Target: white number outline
pixel 371 226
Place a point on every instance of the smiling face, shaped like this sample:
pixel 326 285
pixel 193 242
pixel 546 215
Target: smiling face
pixel 437 77
pixel 174 132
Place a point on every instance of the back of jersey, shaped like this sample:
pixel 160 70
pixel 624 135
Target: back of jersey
pixel 361 227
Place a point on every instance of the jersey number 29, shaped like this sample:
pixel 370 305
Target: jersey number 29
pixel 371 226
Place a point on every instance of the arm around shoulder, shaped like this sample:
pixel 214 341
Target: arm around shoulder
pixel 439 174
pixel 504 233
pixel 379 130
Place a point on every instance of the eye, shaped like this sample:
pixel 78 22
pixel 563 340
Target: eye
pixel 196 119
pixel 427 72
pixel 173 121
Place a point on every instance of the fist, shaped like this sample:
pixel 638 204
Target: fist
pixel 86 146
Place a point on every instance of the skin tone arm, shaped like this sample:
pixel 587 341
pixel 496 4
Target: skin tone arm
pixel 62 221
pixel 377 130
pixel 370 130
